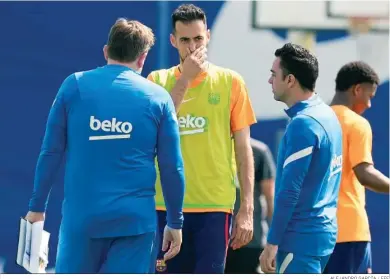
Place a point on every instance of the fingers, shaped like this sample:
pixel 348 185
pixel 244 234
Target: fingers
pixel 201 55
pixel 241 238
pixel 267 264
pixel 236 243
pixel 188 53
pixel 199 51
pixel 233 236
pixel 273 265
pixel 194 63
pixel 33 217
pixel 172 252
pixel 270 265
pixel 202 60
pixel 165 244
pixel 248 235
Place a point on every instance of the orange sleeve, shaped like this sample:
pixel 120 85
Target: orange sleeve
pixel 150 77
pixel 360 144
pixel 241 111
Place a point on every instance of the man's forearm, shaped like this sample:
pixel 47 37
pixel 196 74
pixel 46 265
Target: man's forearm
pixel 51 156
pixel 245 169
pixel 284 206
pixel 376 181
pixel 46 170
pixel 371 178
pixel 179 90
pixel 172 181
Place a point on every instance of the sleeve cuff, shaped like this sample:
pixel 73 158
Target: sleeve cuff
pixel 36 207
pixel 272 239
pixel 175 226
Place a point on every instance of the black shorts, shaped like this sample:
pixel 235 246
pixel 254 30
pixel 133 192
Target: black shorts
pixel 243 261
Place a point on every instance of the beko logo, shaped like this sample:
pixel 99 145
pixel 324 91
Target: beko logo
pixel 121 129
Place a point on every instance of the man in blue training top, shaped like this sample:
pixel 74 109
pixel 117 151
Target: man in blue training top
pixel 110 123
pixel 304 227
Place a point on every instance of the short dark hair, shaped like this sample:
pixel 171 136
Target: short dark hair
pixel 128 39
pixel 187 13
pixel 354 73
pixel 299 62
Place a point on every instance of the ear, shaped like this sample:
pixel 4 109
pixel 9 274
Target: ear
pixel 291 80
pixel 357 90
pixel 105 52
pixel 208 34
pixel 173 40
pixel 141 60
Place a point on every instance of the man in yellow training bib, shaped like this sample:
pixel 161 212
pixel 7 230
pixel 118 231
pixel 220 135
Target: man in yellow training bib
pixel 214 117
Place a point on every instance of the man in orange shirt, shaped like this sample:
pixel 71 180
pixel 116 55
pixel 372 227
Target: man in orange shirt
pixel 356 84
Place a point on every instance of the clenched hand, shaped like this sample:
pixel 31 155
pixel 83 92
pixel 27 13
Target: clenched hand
pixel 243 229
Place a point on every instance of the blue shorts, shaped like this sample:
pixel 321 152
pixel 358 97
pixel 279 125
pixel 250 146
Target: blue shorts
pixel 350 258
pixel 78 253
pixel 205 241
pixel 290 263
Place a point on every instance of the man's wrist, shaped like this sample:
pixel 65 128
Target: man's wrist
pixel 271 239
pixel 184 80
pixel 35 206
pixel 246 206
pixel 271 245
pixel 175 226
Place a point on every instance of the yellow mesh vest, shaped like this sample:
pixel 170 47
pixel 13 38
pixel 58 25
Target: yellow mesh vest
pixel 206 142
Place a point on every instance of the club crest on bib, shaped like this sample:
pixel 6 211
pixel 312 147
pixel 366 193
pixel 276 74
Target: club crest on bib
pixel 214 98
pixel 161 266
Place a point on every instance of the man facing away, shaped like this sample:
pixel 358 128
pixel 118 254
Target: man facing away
pixel 110 123
pixel 356 84
pixel 304 226
pixel 214 115
pixel 246 259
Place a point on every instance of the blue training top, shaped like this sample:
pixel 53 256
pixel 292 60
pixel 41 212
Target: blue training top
pixel 110 123
pixel 307 181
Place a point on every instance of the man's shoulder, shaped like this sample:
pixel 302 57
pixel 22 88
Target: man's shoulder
pixel 304 126
pixel 350 120
pixel 159 93
pixel 223 72
pixel 319 115
pixel 304 121
pixel 80 74
pixel 358 120
pixel 160 73
pixel 360 125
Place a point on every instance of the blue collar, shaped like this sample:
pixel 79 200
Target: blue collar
pixel 120 67
pixel 295 109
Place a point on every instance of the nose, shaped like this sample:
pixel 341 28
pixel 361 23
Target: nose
pixel 270 80
pixel 192 46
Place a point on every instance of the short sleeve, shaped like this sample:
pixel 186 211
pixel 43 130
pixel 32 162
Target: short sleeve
pixel 360 143
pixel 150 77
pixel 242 113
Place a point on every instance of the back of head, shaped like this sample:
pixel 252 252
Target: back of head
pixel 297 61
pixel 354 73
pixel 128 39
pixel 187 13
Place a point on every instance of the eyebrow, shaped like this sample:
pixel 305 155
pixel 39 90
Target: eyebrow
pixel 186 38
pixel 272 71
